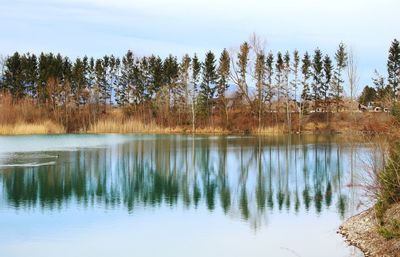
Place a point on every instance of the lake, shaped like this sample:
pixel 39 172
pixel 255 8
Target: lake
pixel 175 195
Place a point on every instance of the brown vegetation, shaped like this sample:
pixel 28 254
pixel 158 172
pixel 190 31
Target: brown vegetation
pixel 26 117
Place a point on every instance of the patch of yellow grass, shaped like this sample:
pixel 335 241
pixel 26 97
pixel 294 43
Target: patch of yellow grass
pixel 23 128
pixel 313 126
pixel 273 130
pixel 128 126
pixel 134 126
pixel 210 130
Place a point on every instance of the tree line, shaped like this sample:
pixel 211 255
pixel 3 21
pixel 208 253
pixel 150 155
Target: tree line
pixel 385 90
pixel 189 91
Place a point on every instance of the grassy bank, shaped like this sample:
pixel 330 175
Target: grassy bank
pixel 377 231
pixel 28 117
pixel 116 122
pixel 389 195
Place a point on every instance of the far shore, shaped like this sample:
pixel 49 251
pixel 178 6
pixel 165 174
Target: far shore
pixel 361 124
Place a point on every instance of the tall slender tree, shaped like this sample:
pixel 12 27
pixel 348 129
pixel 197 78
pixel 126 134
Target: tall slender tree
pixel 287 89
pixel 184 69
pixel 171 72
pixel 207 87
pixel 260 72
pixel 222 86
pixel 393 67
pixel 337 88
pixel 196 70
pixel 317 74
pixel 125 81
pixel 243 60
pixel 279 67
pixel 326 83
pixel 305 94
pixel 295 70
pixel 269 89
pixel 13 76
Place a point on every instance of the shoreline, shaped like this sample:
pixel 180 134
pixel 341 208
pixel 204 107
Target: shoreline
pixel 361 231
pixel 203 132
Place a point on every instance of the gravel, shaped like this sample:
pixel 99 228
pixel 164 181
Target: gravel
pixel 361 231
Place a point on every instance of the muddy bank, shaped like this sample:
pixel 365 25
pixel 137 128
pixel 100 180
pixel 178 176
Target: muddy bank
pixel 361 231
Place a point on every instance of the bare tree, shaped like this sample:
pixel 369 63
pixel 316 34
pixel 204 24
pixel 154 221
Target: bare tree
pixel 2 67
pixel 239 70
pixel 352 74
pixel 260 70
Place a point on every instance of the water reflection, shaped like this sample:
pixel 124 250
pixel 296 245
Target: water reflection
pixel 245 177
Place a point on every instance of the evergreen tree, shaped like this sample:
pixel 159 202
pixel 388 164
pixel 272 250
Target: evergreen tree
pixel 243 60
pixel 105 89
pixel 207 87
pixel 171 69
pixel 113 77
pixel 336 86
pixel 140 81
pixel 50 75
pixel 279 66
pixel 100 82
pixel 305 70
pixel 79 81
pixel 327 78
pixel 383 90
pixel 260 82
pixel 223 74
pixel 295 69
pixel 222 84
pixel 29 67
pixel 286 73
pixel 269 91
pixel 125 80
pixel 317 74
pixel 66 93
pixel 13 76
pixel 368 95
pixel 196 69
pixel 155 75
pixel 393 67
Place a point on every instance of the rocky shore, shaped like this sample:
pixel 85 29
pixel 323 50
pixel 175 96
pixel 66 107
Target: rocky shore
pixel 361 232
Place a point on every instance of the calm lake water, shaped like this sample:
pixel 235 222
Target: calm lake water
pixel 127 195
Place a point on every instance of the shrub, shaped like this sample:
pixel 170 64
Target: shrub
pixel 389 193
pixel 396 111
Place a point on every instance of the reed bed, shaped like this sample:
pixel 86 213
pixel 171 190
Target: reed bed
pixel 23 128
pixel 120 126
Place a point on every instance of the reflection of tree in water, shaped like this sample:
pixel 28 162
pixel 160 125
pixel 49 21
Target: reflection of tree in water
pixel 242 176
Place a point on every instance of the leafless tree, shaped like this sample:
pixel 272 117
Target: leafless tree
pixel 352 74
pixel 2 65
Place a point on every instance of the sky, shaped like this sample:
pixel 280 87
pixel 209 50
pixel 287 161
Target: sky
pixel 98 27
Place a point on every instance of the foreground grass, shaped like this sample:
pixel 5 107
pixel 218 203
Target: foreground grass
pixel 389 194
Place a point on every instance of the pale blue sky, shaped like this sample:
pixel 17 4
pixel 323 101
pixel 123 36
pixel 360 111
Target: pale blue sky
pixel 98 27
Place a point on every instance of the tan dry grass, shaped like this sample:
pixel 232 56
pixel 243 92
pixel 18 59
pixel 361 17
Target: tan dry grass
pixel 274 130
pixel 23 128
pixel 128 126
pixel 115 125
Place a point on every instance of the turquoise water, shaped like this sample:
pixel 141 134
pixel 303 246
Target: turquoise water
pixel 126 195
